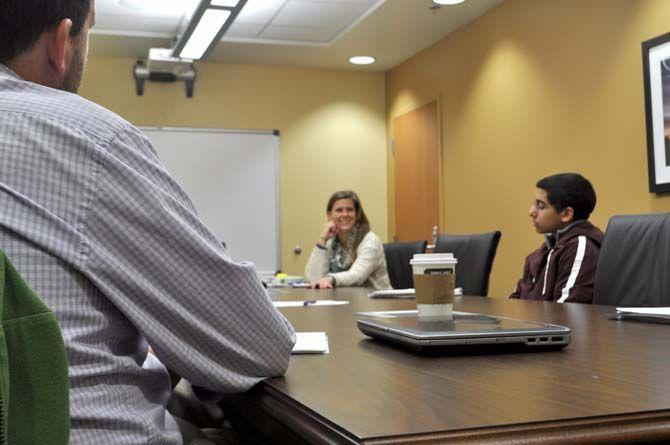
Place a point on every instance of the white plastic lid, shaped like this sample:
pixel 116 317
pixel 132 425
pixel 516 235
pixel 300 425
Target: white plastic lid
pixel 430 259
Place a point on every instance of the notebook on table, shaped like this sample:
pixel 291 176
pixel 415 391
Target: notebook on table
pixel 465 332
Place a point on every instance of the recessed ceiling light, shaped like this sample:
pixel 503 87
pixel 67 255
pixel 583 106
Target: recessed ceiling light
pixel 362 60
pixel 448 2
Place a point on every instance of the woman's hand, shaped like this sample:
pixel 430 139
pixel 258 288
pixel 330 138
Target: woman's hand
pixel 329 231
pixel 322 283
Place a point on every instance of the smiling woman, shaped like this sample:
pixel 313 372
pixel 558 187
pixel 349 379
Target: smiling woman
pixel 347 253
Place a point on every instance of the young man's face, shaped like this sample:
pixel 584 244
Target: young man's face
pixel 546 218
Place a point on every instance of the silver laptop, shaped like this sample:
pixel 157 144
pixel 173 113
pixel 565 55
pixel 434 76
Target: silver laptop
pixel 466 332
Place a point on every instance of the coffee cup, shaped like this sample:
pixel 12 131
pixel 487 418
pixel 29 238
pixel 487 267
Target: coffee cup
pixel 434 283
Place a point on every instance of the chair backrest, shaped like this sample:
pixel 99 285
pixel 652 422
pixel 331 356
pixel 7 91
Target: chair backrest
pixel 34 387
pixel 475 254
pixel 634 262
pixel 398 256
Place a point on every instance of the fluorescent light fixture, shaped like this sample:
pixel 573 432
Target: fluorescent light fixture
pixel 448 2
pixel 210 21
pixel 226 3
pixel 362 60
pixel 204 33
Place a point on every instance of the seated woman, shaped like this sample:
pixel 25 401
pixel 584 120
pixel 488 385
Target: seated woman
pixel 348 253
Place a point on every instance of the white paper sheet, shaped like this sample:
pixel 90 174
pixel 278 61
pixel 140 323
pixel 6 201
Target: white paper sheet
pixel 402 293
pixel 309 303
pixel 387 314
pixel 647 311
pixel 311 343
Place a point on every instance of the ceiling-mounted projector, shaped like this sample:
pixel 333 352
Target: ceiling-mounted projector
pixel 209 22
pixel 162 67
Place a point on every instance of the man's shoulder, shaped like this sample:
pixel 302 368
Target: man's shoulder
pixel 66 109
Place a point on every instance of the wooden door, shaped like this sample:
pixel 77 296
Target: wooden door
pixel 417 174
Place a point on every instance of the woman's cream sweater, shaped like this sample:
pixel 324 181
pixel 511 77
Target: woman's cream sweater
pixel 368 270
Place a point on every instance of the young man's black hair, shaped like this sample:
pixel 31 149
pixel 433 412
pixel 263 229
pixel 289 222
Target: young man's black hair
pixel 23 22
pixel 570 190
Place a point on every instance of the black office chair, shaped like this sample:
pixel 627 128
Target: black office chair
pixel 634 262
pixel 398 256
pixel 475 254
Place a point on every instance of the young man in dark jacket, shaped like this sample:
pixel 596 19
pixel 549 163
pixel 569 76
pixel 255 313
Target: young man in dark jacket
pixel 564 267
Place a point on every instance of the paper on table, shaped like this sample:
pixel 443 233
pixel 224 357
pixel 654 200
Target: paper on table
pixel 402 293
pixel 648 311
pixel 311 343
pixel 309 303
pixel 387 314
pixel 392 293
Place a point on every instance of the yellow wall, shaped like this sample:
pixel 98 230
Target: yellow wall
pixel 532 88
pixel 331 122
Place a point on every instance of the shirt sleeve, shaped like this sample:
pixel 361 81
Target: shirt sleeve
pixel 318 263
pixel 576 272
pixel 522 281
pixel 368 257
pixel 206 316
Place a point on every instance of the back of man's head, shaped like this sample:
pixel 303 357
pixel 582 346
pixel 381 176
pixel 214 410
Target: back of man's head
pixel 22 22
pixel 570 190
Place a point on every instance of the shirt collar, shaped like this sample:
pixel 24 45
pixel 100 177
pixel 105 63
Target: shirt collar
pixel 8 72
pixel 550 239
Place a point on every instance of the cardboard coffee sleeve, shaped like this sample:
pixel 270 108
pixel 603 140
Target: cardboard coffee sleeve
pixel 434 288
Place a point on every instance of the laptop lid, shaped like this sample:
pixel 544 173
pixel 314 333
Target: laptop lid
pixel 465 331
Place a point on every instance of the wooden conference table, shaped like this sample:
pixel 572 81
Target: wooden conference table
pixel 610 385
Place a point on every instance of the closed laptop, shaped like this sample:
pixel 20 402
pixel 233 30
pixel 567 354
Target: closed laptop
pixel 464 332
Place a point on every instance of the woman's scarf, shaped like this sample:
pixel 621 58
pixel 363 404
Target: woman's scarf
pixel 342 257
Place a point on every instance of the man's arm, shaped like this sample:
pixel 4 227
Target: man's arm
pixel 206 316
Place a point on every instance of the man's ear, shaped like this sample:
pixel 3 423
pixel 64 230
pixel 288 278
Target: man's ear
pixel 58 46
pixel 567 215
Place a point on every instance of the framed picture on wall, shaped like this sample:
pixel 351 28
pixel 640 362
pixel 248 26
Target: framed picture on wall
pixel 656 69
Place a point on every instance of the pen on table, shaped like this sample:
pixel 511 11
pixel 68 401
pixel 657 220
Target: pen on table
pixel 308 302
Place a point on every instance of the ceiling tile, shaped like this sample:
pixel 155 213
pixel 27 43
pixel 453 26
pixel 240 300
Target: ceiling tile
pixel 259 11
pixel 309 14
pixel 146 8
pixel 243 31
pixel 129 24
pixel 299 34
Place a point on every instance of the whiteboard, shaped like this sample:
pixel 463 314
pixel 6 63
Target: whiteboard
pixel 232 177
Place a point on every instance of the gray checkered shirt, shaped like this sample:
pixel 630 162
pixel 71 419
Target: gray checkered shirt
pixel 100 230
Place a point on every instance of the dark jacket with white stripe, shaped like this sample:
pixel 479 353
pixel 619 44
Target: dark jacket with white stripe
pixel 564 268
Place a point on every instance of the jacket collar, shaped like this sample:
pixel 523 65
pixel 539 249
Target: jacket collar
pixel 551 240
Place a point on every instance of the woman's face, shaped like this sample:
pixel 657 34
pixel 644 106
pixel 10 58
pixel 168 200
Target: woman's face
pixel 343 215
